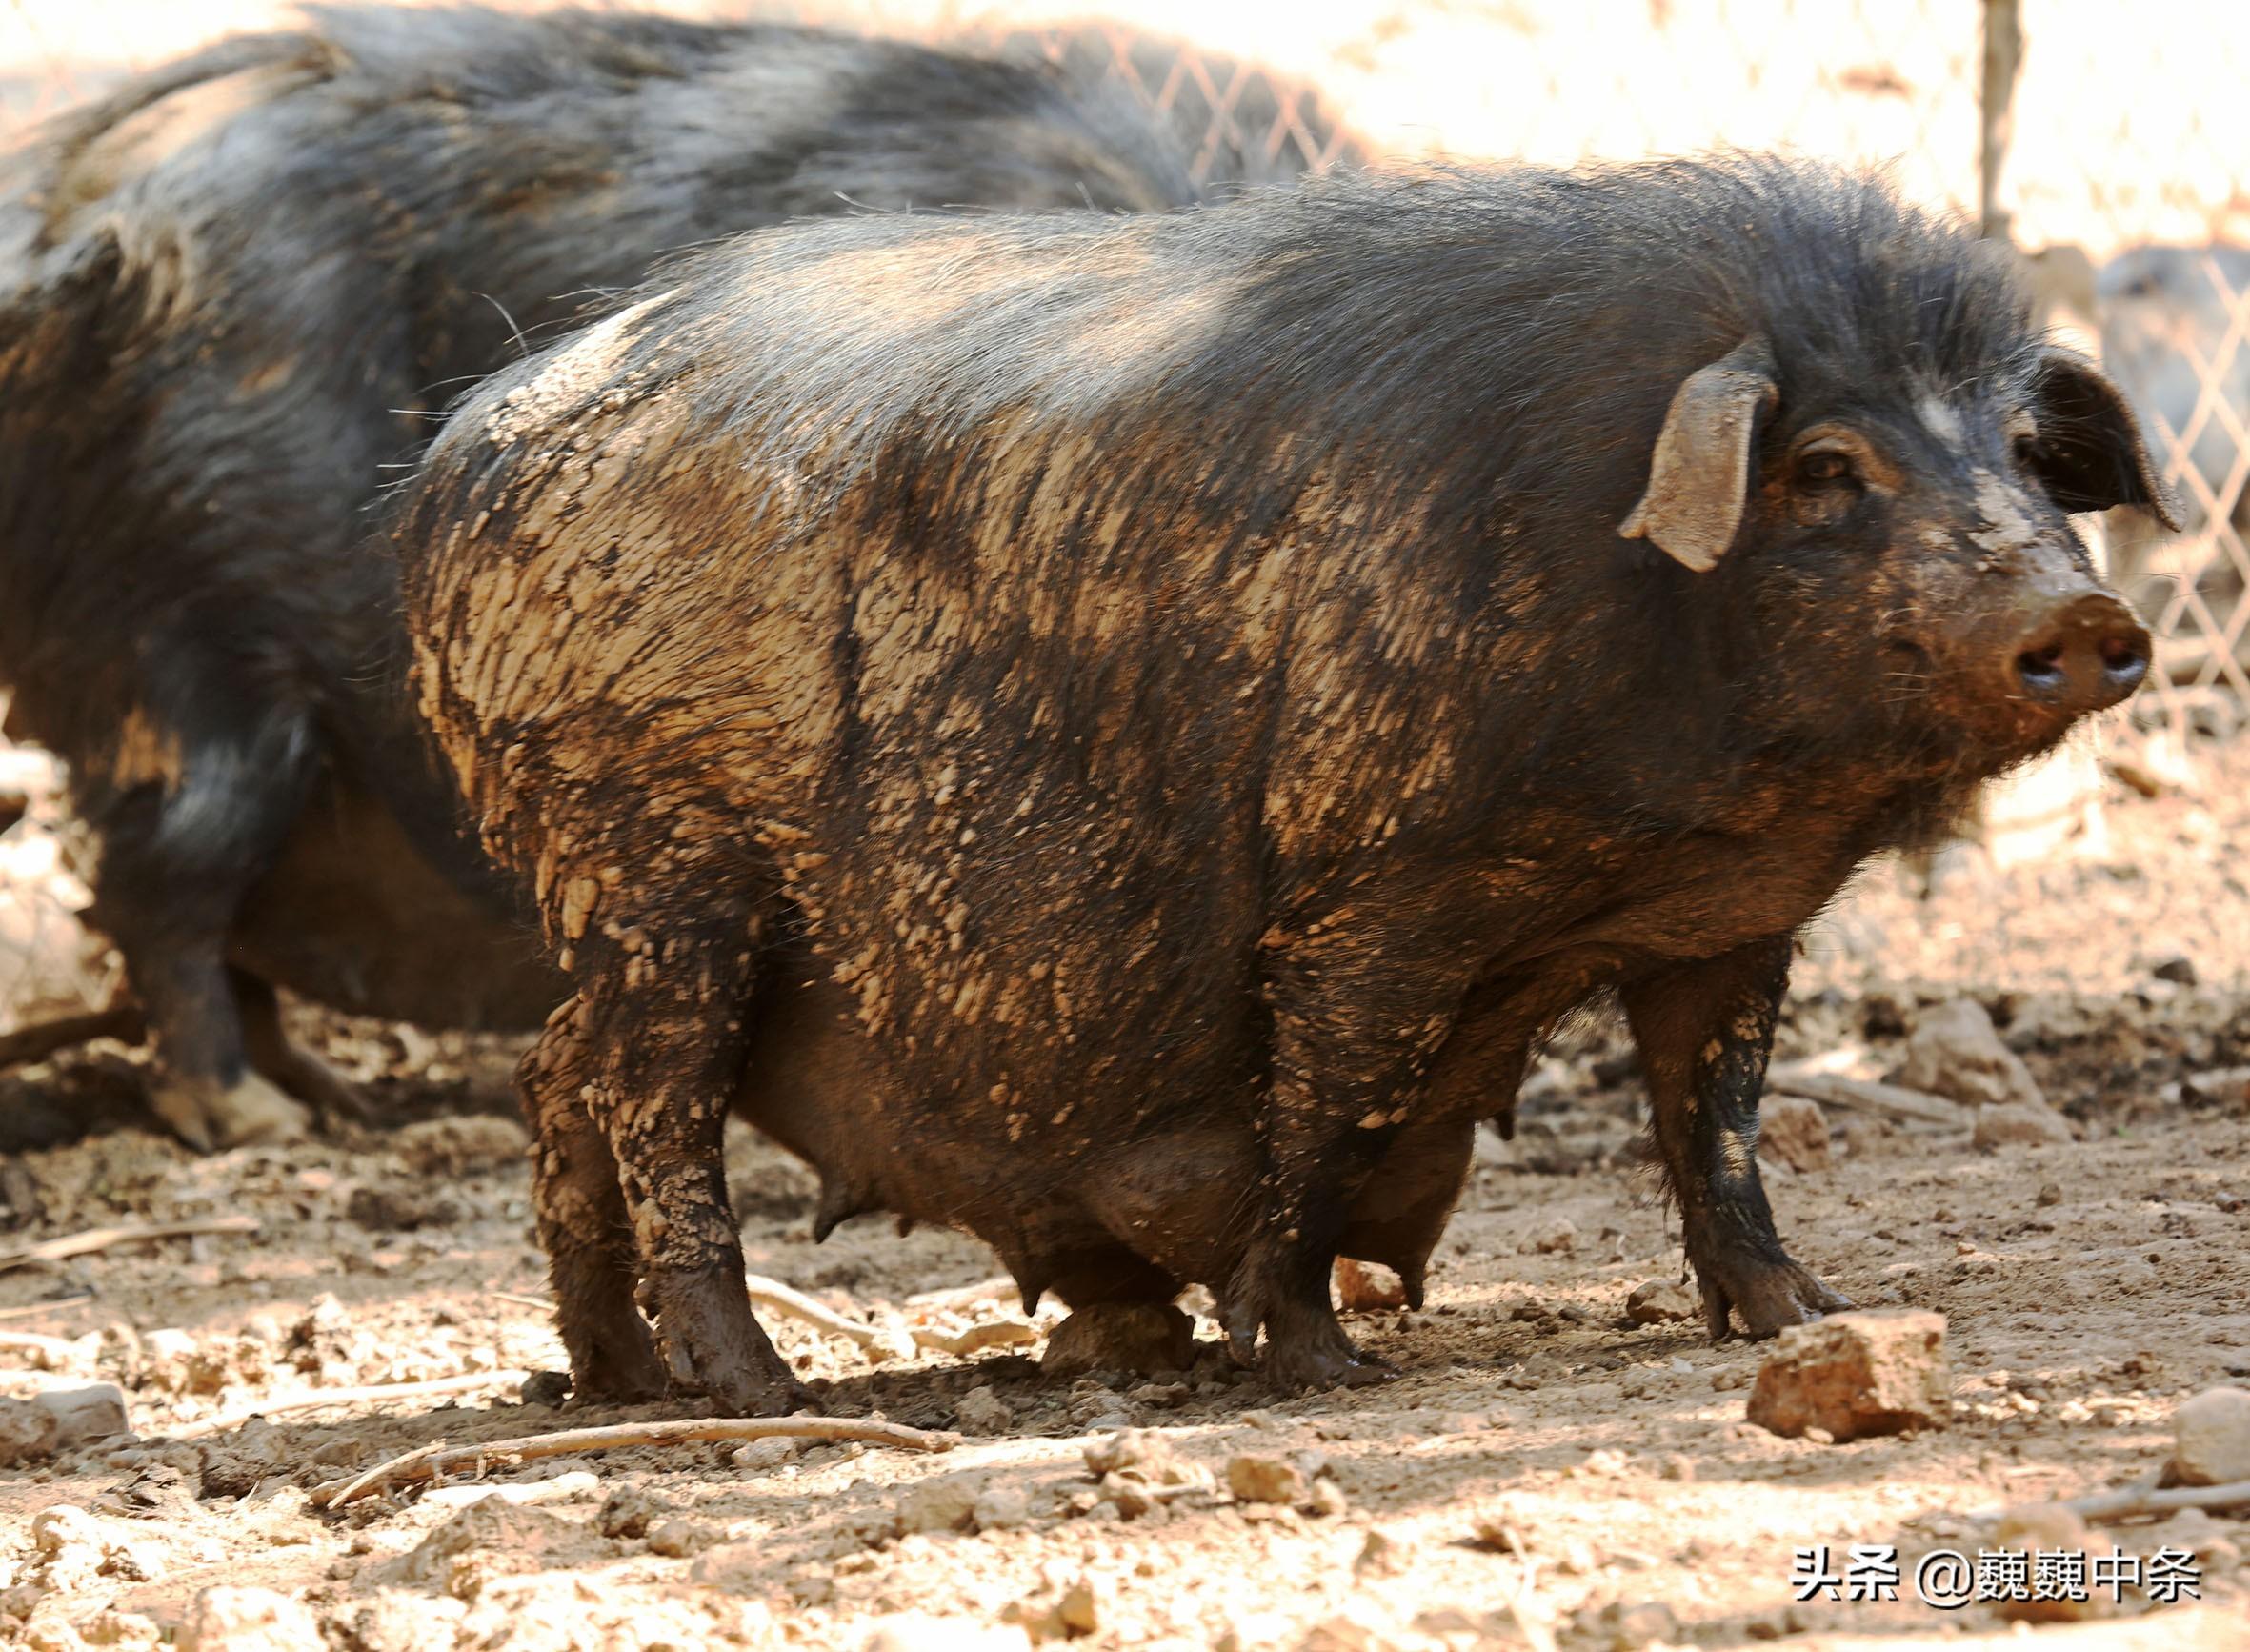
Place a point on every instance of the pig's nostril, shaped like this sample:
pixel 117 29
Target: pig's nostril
pixel 2042 668
pixel 2126 658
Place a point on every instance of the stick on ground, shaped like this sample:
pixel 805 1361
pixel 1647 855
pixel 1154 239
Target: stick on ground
pixel 102 1239
pixel 33 1310
pixel 433 1462
pixel 2140 1500
pixel 228 1421
pixel 765 1292
pixel 26 1044
pixel 1866 1096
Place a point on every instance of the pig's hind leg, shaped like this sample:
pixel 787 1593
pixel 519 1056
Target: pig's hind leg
pixel 592 1259
pixel 1705 1030
pixel 663 1007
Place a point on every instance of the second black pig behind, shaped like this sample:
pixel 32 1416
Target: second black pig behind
pixel 1174 709
pixel 235 290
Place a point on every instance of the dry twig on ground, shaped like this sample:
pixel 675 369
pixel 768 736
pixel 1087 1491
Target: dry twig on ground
pixel 102 1239
pixel 433 1462
pixel 2140 1500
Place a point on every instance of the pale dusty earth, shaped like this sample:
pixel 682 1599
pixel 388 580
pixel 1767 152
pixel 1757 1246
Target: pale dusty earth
pixel 2087 1288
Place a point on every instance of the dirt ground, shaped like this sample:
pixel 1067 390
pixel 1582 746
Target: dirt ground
pixel 2088 1287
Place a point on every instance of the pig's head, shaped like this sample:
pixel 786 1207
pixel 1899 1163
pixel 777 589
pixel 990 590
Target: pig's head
pixel 1889 534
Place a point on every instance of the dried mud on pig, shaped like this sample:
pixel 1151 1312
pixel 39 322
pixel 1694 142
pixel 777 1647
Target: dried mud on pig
pixel 1108 734
pixel 233 293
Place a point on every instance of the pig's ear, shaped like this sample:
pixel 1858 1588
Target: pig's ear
pixel 1700 478
pixel 2090 452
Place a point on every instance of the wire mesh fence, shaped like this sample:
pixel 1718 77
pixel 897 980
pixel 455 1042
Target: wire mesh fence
pixel 2117 159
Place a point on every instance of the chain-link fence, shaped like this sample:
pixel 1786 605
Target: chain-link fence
pixel 2114 150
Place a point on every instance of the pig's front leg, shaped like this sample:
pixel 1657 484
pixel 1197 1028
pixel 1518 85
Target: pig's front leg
pixel 1705 1030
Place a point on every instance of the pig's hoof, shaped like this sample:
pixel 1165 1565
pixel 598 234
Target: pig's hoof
pixel 715 1347
pixel 1307 1349
pixel 252 1111
pixel 1766 1297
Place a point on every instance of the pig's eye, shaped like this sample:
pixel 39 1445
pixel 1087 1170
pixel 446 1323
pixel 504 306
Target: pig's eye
pixel 1826 468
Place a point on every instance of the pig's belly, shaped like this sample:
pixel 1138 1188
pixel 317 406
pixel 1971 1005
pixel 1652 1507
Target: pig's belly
pixel 1134 1219
pixel 353 916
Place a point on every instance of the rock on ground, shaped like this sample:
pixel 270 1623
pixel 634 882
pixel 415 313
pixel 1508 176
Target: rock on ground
pixel 2056 1529
pixel 2010 1123
pixel 1365 1287
pixel 1140 1337
pixel 1662 1302
pixel 27 1432
pixel 2211 1436
pixel 84 1411
pixel 1880 1370
pixel 1793 1130
pixel 1955 1052
pixel 981 1411
pixel 226 1618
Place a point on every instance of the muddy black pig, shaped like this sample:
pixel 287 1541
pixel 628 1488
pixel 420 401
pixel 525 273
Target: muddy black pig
pixel 231 294
pixel 1173 709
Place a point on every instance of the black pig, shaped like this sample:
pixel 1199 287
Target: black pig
pixel 229 293
pixel 1198 697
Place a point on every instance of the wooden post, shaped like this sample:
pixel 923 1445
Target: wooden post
pixel 2003 63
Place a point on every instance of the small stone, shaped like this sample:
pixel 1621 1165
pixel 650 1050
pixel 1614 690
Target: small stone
pixel 1661 1303
pixel 937 1506
pixel 130 1630
pixel 1793 1130
pixel 1001 1507
pixel 230 1619
pixel 1081 1611
pixel 1559 1234
pixel 1089 1407
pixel 1136 1336
pixel 763 1455
pixel 1366 1287
pixel 2054 1528
pixel 84 1411
pixel 2049 1195
pixel 983 1412
pixel 1622 1627
pixel 2211 1438
pixel 1877 1371
pixel 27 1432
pixel 1382 1555
pixel 1679 1466
pixel 1954 1052
pixel 922 1632
pixel 628 1512
pixel 1327 1499
pixel 2175 967
pixel 679 1536
pixel 2019 1124
pixel 550 1388
pixel 1142 1452
pixel 1256 1477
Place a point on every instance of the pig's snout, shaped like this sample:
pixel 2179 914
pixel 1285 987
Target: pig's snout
pixel 2081 656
